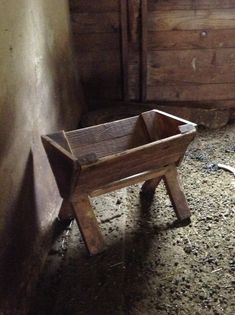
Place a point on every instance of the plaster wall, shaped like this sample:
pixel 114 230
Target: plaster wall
pixel 37 96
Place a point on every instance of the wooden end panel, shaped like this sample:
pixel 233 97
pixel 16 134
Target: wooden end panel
pixel 161 125
pixel 60 138
pixel 64 167
pixel 151 125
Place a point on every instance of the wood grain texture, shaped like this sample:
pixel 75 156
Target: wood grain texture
pixel 159 5
pixel 106 64
pixel 64 166
pixel 192 66
pixel 109 138
pixel 203 57
pixel 192 92
pixel 139 160
pixel 88 224
pixel 133 13
pixel 96 42
pixel 124 48
pixel 176 194
pixel 191 39
pixel 116 155
pixel 191 19
pixel 143 53
pixel 97 74
pixel 147 176
pixel 95 23
pixel 185 55
pixel 91 6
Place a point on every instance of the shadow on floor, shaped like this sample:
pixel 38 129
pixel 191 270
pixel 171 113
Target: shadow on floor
pixel 109 283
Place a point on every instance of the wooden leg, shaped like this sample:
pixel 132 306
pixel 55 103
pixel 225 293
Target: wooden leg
pixel 176 194
pixel 88 224
pixel 150 185
pixel 66 211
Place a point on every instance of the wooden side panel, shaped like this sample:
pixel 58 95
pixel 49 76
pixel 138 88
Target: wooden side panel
pixel 109 138
pixel 138 160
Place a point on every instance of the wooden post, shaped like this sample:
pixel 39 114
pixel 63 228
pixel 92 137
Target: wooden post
pixel 124 49
pixel 88 224
pixel 176 193
pixel 143 52
pixel 150 185
pixel 66 211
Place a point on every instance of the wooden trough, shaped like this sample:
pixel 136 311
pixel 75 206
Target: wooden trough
pixel 96 160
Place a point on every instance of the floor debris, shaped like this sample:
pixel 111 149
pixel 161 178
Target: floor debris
pixel 153 267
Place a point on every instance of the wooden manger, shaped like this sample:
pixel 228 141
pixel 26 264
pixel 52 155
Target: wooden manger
pixel 96 160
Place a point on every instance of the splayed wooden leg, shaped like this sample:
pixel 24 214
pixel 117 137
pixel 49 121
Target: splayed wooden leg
pixel 88 224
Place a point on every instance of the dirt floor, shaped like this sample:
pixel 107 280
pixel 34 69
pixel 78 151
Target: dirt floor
pixel 152 264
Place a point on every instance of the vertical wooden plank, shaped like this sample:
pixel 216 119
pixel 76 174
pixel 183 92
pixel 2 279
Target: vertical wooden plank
pixel 132 24
pixel 143 52
pixel 124 48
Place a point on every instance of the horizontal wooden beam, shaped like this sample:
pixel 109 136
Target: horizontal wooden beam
pixel 132 180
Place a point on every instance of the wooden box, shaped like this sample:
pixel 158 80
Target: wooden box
pixel 99 159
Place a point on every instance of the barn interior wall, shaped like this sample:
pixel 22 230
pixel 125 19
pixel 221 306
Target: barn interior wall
pixel 38 95
pixel 179 53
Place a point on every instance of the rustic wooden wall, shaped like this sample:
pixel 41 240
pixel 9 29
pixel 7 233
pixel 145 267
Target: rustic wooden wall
pixel 191 50
pixel 175 52
pixel 96 29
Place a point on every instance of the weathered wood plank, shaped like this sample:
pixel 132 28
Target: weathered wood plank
pixel 105 90
pixel 97 42
pixel 158 5
pixel 64 165
pixel 217 57
pixel 91 6
pixel 191 66
pixel 124 48
pixel 134 74
pixel 130 181
pixel 143 54
pixel 193 39
pixel 109 138
pixel 95 23
pixel 192 92
pixel 138 160
pixel 100 72
pixel 209 74
pixel 191 20
pixel 133 13
pixel 94 58
pixel 106 131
